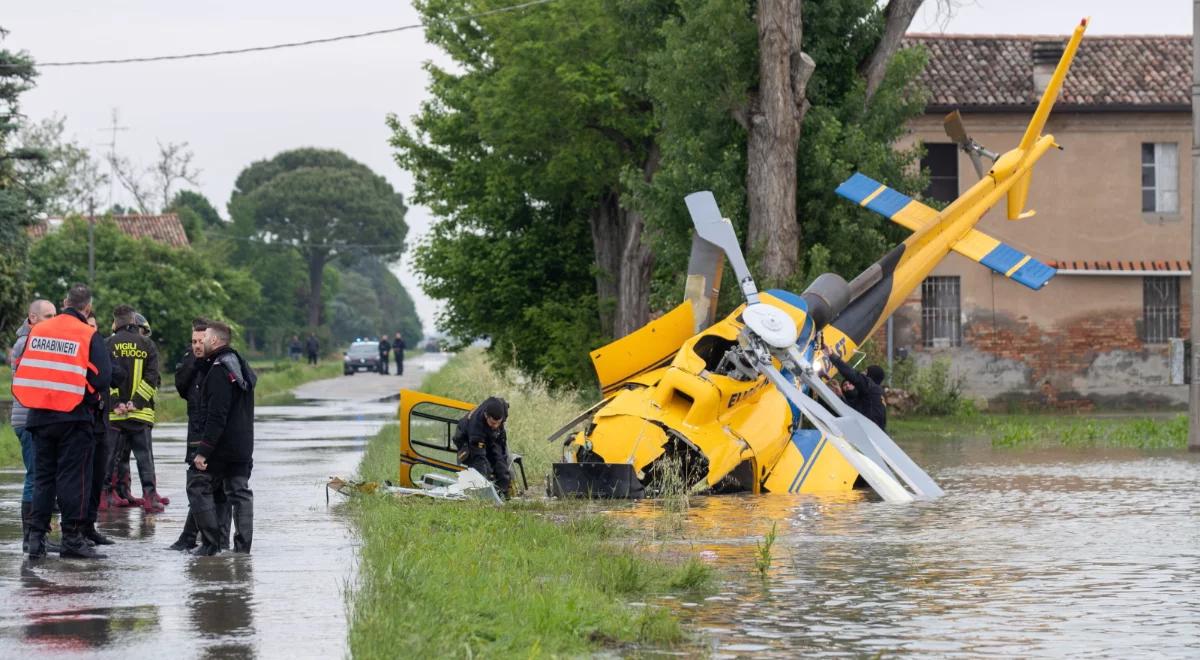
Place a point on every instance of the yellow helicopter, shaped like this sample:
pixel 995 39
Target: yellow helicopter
pixel 737 405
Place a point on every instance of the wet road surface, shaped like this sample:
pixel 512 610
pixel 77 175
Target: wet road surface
pixel 1032 553
pixel 284 600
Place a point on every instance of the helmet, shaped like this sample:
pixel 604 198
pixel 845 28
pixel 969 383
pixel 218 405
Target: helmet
pixel 142 324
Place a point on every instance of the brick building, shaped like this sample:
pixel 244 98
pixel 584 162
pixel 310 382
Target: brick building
pixel 1113 215
pixel 164 228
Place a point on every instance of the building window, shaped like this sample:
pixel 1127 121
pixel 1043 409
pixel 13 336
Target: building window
pixel 1160 309
pixel 941 317
pixel 1160 177
pixel 941 161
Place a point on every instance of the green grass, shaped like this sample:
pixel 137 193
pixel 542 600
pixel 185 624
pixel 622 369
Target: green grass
pixel 1077 431
pixel 274 386
pixel 534 579
pixel 10 448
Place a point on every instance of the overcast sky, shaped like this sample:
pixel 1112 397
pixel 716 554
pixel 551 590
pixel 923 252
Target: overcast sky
pixel 236 109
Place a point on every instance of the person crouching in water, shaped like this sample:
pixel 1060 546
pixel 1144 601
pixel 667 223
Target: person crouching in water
pixel 862 391
pixel 482 443
pixel 224 454
pixel 189 381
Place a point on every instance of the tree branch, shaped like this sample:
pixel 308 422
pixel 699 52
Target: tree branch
pixel 898 16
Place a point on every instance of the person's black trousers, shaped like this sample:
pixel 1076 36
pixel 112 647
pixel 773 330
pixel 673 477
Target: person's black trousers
pixel 215 498
pixel 101 459
pixel 139 441
pixel 399 363
pixel 63 471
pixel 383 363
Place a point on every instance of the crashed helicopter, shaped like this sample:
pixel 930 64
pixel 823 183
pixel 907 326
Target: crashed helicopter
pixel 738 405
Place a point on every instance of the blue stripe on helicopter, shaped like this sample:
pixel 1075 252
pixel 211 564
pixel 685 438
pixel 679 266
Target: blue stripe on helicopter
pixel 889 202
pixel 806 441
pixel 1034 274
pixel 807 467
pixel 857 188
pixel 1002 258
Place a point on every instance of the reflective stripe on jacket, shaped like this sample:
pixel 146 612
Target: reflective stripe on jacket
pixel 138 355
pixel 52 372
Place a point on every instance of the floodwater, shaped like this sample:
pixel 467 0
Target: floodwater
pixel 1032 553
pixel 287 599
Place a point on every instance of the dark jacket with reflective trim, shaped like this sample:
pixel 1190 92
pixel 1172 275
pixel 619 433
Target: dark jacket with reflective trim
pixel 189 382
pixel 138 356
pixel 98 380
pixel 867 396
pixel 474 437
pixel 227 409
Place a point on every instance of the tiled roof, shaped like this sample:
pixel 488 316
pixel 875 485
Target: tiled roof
pixel 1109 72
pixel 1109 265
pixel 164 228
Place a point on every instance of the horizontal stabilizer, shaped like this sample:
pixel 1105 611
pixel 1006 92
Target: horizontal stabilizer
pixel 891 204
pixel 1004 259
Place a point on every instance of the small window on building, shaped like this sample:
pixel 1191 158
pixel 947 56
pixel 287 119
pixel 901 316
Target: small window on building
pixel 941 317
pixel 941 161
pixel 1160 177
pixel 1160 309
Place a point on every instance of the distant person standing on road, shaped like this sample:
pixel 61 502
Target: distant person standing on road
pixel 312 347
pixel 295 348
pixel 61 378
pixel 385 347
pixel 39 310
pixel 224 456
pixel 398 347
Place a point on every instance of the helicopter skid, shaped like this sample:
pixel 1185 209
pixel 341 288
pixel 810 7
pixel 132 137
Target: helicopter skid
pixel 595 481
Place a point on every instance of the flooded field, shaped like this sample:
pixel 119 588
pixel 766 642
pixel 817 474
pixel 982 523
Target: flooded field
pixel 1030 554
pixel 286 599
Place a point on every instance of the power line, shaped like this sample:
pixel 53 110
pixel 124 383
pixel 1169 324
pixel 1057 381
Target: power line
pixel 293 44
pixel 286 243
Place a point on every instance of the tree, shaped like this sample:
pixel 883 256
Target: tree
pixel 397 312
pixel 70 176
pixel 325 206
pixel 170 286
pixel 152 186
pixel 20 196
pixel 195 214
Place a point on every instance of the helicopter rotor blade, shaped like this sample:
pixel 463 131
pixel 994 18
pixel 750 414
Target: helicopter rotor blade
pixel 875 474
pixel 957 132
pixel 862 432
pixel 710 226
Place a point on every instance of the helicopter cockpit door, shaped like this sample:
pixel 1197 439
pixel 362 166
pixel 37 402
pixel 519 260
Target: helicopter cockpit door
pixel 427 424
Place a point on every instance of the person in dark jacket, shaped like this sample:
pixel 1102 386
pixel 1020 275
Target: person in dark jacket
pixel 385 347
pixel 482 442
pixel 398 347
pixel 132 418
pixel 295 348
pixel 65 440
pixel 189 380
pixel 312 347
pixel 862 391
pixel 224 455
pixel 100 456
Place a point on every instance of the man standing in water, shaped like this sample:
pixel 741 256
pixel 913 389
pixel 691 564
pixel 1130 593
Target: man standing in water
pixel 224 456
pixel 862 392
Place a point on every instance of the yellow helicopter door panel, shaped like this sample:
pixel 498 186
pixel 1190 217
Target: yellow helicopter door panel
pixel 651 346
pixel 427 424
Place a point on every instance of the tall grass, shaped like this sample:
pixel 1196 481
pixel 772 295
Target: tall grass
pixel 10 447
pixel 1029 431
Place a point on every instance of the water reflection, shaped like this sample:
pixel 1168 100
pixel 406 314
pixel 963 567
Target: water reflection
pixel 1030 554
pixel 220 604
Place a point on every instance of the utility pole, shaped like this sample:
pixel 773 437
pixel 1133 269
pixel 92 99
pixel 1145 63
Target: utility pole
pixel 1194 388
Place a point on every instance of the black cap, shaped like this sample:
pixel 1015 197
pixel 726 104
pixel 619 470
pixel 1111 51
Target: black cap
pixel 875 373
pixel 495 407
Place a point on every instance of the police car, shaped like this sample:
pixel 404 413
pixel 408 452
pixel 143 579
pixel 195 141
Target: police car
pixel 363 355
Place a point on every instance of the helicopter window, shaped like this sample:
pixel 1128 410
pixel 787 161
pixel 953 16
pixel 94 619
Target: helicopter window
pixel 712 348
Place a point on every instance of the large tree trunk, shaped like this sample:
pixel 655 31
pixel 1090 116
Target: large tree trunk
pixel 316 276
pixel 775 113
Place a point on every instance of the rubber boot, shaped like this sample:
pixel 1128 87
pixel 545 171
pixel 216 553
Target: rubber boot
pixel 37 544
pixel 187 538
pixel 94 536
pixel 152 503
pixel 126 492
pixel 75 546
pixel 103 500
pixel 206 523
pixel 26 507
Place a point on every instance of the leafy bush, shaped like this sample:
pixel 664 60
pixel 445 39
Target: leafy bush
pixel 936 390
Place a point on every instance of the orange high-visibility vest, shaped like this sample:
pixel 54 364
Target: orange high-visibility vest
pixel 52 372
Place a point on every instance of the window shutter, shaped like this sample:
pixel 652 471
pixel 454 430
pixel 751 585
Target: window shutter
pixel 1166 176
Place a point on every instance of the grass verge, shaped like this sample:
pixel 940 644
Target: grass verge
pixel 1026 431
pixel 535 579
pixel 10 447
